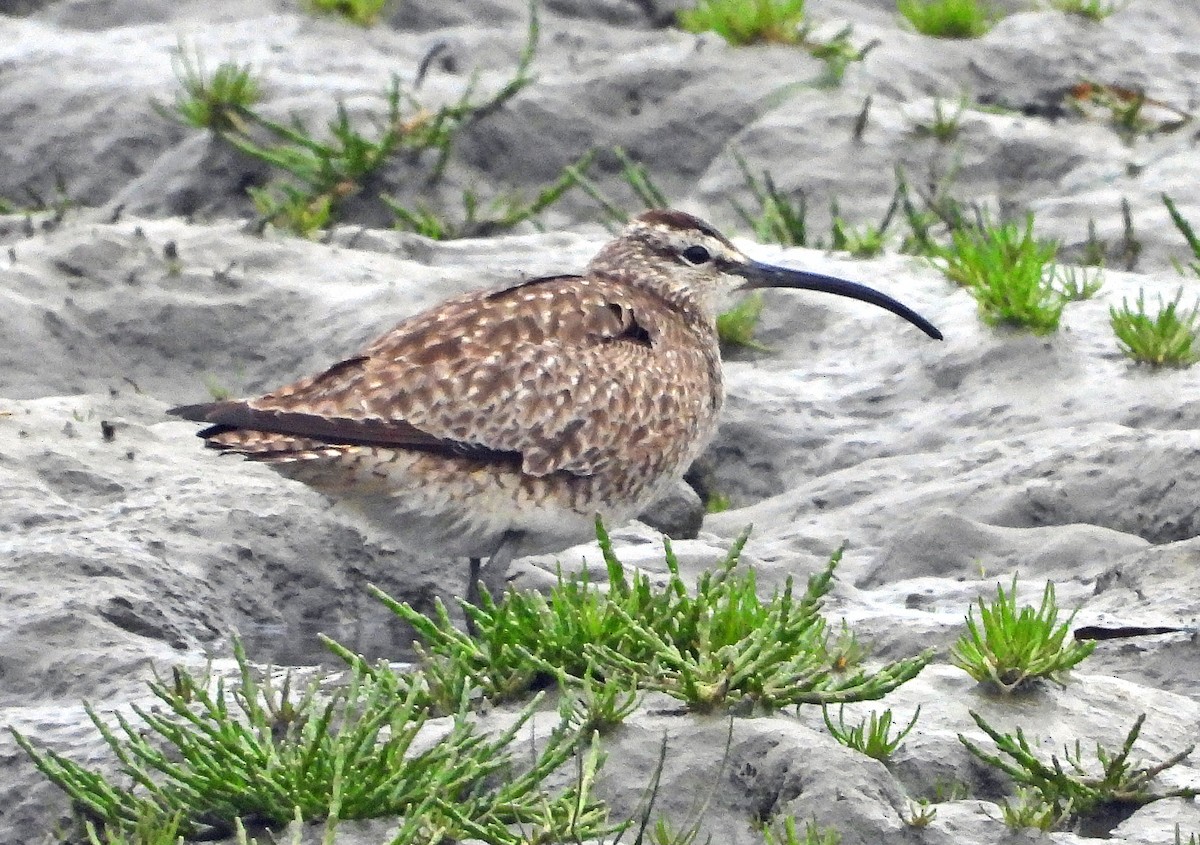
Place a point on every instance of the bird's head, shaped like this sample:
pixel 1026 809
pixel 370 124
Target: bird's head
pixel 688 262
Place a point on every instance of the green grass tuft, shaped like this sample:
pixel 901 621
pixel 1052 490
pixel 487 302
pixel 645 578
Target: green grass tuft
pixel 1052 794
pixel 503 213
pixel 871 736
pixel 1095 10
pixel 1189 234
pixel 1076 284
pixel 747 21
pixel 948 18
pixel 945 124
pixel 736 326
pixel 219 102
pixel 1008 271
pixel 790 835
pixel 1011 648
pixel 865 241
pixel 778 219
pixel 1171 338
pixel 361 12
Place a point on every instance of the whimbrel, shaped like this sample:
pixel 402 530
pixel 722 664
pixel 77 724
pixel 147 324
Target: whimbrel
pixel 501 423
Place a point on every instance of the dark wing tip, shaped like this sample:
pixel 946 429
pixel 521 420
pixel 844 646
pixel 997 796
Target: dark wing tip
pixel 196 413
pixel 223 416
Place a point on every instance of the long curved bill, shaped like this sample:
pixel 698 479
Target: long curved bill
pixel 759 275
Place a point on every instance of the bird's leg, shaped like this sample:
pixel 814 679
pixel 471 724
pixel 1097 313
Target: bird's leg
pixel 493 577
pixel 495 574
pixel 473 577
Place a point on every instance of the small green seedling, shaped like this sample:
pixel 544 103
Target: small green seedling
pixel 736 326
pixel 1011 647
pixel 717 502
pixel 1189 235
pixel 600 704
pixel 1171 338
pixel 361 12
pixel 847 652
pixel 1076 284
pixel 1008 271
pixel 950 790
pixel 948 18
pixel 778 219
pixel 945 124
pixel 865 241
pixel 812 835
pixel 1028 808
pixel 1060 792
pixel 502 214
pixel 1096 10
pixel 219 102
pixel 782 220
pixel 1095 248
pixel 665 833
pixel 871 736
pixel 1131 244
pixel 921 813
pixel 838 53
pixel 747 21
pixel 636 176
pixel 1126 108
pixel 860 241
pixel 299 212
pixel 933 214
pixel 216 389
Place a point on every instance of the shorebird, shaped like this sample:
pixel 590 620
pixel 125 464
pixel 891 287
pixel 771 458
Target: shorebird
pixel 502 423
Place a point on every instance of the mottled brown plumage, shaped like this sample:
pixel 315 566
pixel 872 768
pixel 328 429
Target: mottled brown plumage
pixel 502 422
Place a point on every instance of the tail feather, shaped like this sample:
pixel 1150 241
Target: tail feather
pixel 228 437
pixel 237 426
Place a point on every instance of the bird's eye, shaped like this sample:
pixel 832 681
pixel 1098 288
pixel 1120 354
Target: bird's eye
pixel 695 255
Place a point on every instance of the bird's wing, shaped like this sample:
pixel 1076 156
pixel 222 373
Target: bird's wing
pixel 556 373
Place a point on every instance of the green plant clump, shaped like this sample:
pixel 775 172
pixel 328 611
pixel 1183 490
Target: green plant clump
pixel 361 12
pixel 1008 271
pixel 778 219
pixel 945 125
pixel 1171 338
pixel 1189 234
pixel 719 645
pixel 218 102
pixel 1052 794
pixel 203 760
pixel 870 736
pixel 865 241
pixel 747 21
pixel 736 326
pixel 948 18
pixel 1011 648
pixel 1096 10
pixel 812 835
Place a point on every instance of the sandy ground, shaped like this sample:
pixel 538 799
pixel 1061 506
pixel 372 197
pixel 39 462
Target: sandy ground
pixel 948 467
